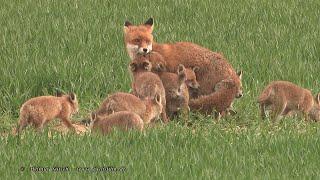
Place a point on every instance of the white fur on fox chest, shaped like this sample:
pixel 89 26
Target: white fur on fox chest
pixel 132 50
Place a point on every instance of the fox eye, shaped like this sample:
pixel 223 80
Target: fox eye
pixel 136 40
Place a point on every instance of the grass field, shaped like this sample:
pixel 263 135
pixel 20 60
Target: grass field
pixel 78 46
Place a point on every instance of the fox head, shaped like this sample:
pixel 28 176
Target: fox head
pixel 138 39
pixel 71 99
pixel 155 105
pixel 191 80
pixel 175 88
pixel 74 102
pixel 239 90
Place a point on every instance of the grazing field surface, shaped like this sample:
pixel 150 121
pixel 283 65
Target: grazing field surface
pixel 77 46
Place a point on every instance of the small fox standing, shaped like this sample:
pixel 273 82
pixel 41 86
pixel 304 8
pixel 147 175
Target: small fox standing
pixel 212 66
pixel 282 97
pixel 40 110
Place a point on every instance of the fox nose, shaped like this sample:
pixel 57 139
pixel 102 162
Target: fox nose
pixel 145 50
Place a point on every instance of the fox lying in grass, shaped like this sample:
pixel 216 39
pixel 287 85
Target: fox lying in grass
pixel 213 67
pixel 283 97
pixel 124 120
pixel 148 109
pixel 39 111
pixel 146 83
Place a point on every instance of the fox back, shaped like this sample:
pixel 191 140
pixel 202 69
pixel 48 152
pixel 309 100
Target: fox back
pixel 123 120
pixel 147 109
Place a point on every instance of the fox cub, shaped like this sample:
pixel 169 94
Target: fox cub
pixel 282 97
pixel 124 120
pixel 39 111
pixel 159 66
pixel 220 100
pixel 146 83
pixel 148 109
pixel 177 95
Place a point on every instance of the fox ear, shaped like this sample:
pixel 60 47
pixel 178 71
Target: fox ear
pixel 239 73
pixel 182 73
pixel 157 98
pixel 196 69
pixel 133 66
pixel 93 116
pixel 318 98
pixel 181 68
pixel 72 97
pixel 147 66
pixel 149 23
pixel 126 26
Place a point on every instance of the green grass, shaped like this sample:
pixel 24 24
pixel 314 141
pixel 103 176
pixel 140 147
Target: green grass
pixel 78 46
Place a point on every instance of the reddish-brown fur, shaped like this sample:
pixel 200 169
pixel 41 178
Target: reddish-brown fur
pixel 148 109
pixel 40 110
pixel 283 97
pixel 221 100
pixel 177 95
pixel 124 120
pixel 146 83
pixel 213 67
pixel 159 66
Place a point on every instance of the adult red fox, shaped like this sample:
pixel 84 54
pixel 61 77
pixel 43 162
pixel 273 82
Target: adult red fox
pixel 213 67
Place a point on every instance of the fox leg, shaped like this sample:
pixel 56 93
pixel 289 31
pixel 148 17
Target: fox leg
pixel 217 115
pixel 185 114
pixel 277 110
pixel 306 117
pixel 39 126
pixel 262 111
pixel 23 123
pixel 164 117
